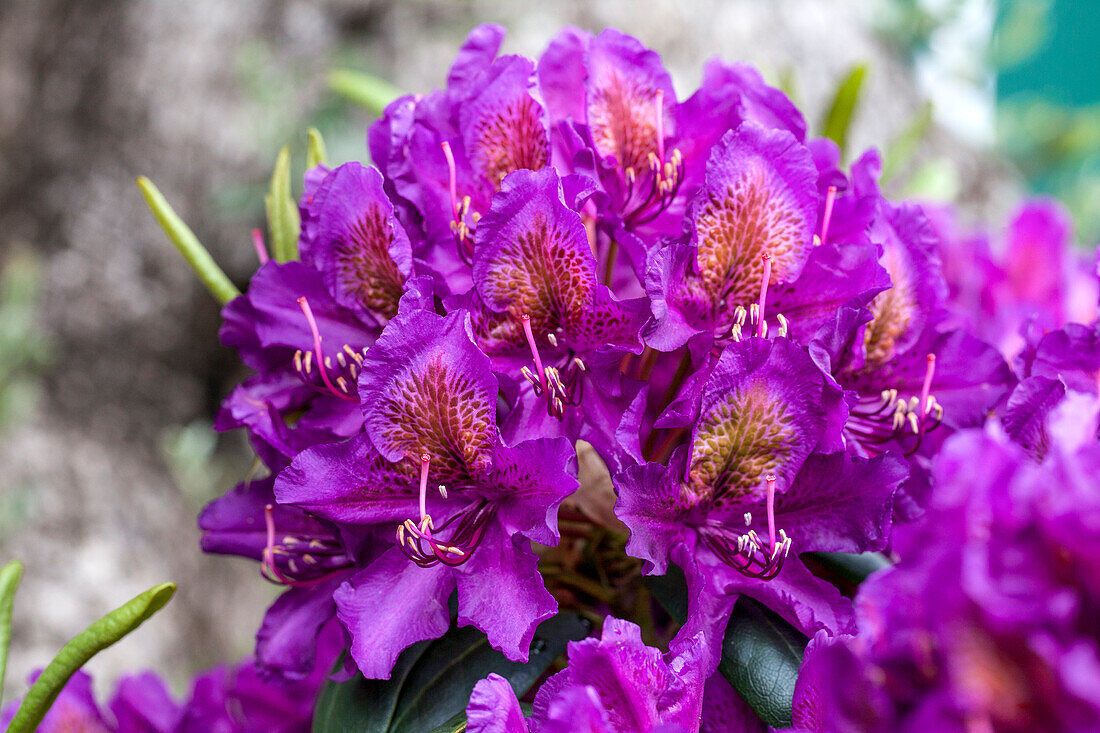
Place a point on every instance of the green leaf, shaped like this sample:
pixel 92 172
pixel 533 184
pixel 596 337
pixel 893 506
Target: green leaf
pixel 841 111
pixel 97 637
pixel 283 222
pixel 899 152
pixel 315 153
pixel 365 90
pixel 431 681
pixel 670 590
pixel 216 281
pixel 9 581
pixel 843 569
pixel 761 654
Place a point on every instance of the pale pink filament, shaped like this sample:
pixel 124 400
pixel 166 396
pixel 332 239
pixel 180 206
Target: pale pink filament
pixel 317 349
pixel 526 321
pixel 425 460
pixel 830 197
pixel 453 182
pixel 926 388
pixel 771 509
pixel 767 258
pixel 661 127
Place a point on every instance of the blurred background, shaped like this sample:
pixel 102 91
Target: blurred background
pixel 110 367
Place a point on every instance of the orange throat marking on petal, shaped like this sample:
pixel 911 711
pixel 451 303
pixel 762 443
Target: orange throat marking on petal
pixel 734 230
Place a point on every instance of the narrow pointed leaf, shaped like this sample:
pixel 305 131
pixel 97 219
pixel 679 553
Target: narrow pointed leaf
pixel 761 654
pixel 369 92
pixel 283 221
pixel 431 682
pixel 212 276
pixel 97 637
pixel 315 152
pixel 899 153
pixel 9 581
pixel 841 111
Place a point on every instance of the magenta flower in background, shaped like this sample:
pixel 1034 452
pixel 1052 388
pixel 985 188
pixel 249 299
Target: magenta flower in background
pixel 989 621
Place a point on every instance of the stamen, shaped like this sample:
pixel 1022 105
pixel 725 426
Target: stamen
pixel 321 361
pixel 425 460
pixel 661 128
pixel 329 559
pixel 453 178
pixel 767 258
pixel 526 321
pixel 771 509
pixel 926 388
pixel 258 243
pixel 830 197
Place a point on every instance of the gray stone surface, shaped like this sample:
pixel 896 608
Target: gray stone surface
pixel 98 486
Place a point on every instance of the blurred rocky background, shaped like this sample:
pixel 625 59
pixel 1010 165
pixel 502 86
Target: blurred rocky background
pixel 110 368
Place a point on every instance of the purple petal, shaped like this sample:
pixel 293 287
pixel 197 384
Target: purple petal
pixel 762 413
pixel 839 503
pixel 356 242
pixel 532 254
pixel 494 708
pixel 427 389
pixel 476 55
pixel 562 74
pixel 350 482
pixel 501 592
pixel 286 643
pixel 624 78
pixel 389 606
pixel 141 704
pixel 760 196
pixel 504 126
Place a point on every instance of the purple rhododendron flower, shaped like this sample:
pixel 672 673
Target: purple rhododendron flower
pixel 308 555
pixel 752 470
pixel 429 399
pixel 615 684
pixel 303 326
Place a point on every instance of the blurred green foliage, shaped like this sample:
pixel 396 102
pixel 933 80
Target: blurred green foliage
pixel 25 348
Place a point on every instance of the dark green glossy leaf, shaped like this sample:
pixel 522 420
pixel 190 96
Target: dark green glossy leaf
pixel 9 581
pixel 97 637
pixel 369 92
pixel 841 111
pixel 845 570
pixel 212 276
pixel 761 654
pixel 431 682
pixel 283 220
pixel 670 590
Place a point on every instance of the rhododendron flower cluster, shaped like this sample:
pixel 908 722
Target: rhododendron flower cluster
pixel 570 333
